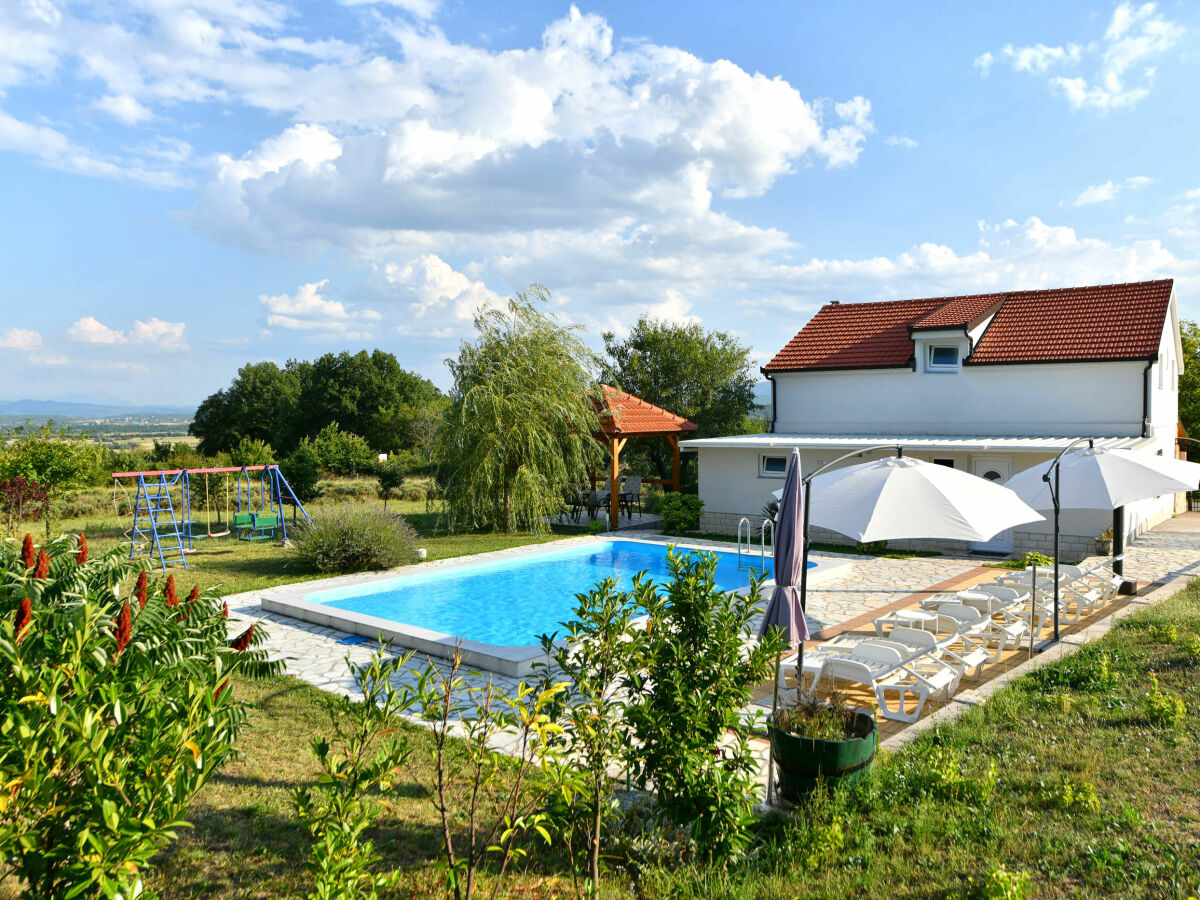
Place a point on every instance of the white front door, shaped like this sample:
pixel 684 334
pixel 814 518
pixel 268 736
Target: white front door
pixel 999 470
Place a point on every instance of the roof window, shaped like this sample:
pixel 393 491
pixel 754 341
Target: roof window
pixel 942 358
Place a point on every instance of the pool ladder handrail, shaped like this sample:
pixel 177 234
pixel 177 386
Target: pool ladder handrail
pixel 762 539
pixel 743 521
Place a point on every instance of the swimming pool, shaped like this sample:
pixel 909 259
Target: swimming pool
pixel 498 609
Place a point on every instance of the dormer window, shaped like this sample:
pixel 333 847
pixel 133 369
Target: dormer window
pixel 942 358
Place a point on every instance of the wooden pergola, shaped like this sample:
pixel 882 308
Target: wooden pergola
pixel 626 416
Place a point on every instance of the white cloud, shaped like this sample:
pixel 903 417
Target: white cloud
pixel 20 339
pixel 422 9
pixel 439 300
pixel 167 335
pixel 124 109
pixel 1121 76
pixel 899 140
pixel 307 310
pixel 89 330
pixel 1103 193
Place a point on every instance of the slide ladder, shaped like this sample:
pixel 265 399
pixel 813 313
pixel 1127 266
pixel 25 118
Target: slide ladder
pixel 156 533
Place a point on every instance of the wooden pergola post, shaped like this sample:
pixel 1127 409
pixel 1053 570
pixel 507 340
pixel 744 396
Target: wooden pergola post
pixel 614 481
pixel 673 440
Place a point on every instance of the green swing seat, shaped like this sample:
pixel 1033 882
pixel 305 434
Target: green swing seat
pixel 255 526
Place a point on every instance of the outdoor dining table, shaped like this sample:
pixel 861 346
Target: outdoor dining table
pixel 922 619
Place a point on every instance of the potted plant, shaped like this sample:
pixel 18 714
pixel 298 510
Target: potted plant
pixel 1104 542
pixel 820 740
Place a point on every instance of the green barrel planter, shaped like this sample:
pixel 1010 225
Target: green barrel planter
pixel 801 761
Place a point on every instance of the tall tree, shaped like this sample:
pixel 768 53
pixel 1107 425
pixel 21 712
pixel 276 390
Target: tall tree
pixel 1189 383
pixel 705 376
pixel 524 414
pixel 261 397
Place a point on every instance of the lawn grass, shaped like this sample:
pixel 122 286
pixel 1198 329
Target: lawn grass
pixel 231 566
pixel 929 821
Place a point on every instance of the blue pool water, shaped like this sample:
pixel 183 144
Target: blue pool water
pixel 510 603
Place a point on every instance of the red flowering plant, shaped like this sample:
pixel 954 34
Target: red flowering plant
pixel 113 717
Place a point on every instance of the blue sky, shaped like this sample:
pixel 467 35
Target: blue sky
pixel 191 186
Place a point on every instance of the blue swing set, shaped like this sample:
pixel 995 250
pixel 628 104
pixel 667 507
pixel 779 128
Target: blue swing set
pixel 166 538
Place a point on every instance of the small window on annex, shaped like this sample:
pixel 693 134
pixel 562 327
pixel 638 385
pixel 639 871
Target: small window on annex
pixel 943 359
pixel 772 466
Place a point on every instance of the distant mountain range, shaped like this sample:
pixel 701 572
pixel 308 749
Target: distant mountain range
pixel 73 410
pixel 762 395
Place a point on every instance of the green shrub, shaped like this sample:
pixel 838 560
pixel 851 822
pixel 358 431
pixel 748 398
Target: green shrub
pixel 693 673
pixel 871 548
pixel 1164 710
pixel 114 715
pixel 353 538
pixel 343 452
pixel 1001 884
pixel 1073 797
pixel 596 527
pixel 390 477
pixel 681 512
pixel 248 452
pixel 1033 558
pixel 302 469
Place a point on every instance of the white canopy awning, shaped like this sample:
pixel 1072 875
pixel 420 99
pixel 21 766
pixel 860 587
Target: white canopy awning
pixel 911 442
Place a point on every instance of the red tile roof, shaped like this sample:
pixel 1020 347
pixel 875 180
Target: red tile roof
pixel 961 311
pixel 854 336
pixel 632 416
pixel 1108 322
pixel 1105 322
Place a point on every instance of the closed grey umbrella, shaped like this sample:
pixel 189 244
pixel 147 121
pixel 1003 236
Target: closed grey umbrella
pixel 784 611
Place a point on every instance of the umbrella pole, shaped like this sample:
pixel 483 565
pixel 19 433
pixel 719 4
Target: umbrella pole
pixel 803 584
pixel 1057 488
pixel 771 743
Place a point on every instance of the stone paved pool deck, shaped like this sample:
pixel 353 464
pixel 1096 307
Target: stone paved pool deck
pixel 1169 553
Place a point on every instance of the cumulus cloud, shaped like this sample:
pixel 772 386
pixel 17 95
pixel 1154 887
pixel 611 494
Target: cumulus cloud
pixel 123 108
pixel 1121 74
pixel 439 300
pixel 308 310
pixel 1103 193
pixel 90 330
pixel 165 335
pixel 20 339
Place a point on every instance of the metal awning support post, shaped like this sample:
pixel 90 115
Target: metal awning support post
pixel 1055 485
pixel 806 485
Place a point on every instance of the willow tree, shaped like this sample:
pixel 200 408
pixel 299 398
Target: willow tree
pixel 524 415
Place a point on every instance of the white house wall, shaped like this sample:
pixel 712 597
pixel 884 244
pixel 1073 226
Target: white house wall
pixel 732 487
pixel 1086 399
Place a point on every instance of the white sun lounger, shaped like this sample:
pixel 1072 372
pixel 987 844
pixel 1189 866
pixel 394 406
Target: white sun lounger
pixel 884 669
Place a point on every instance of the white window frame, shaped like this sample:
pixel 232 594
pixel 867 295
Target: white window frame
pixel 762 466
pixel 931 366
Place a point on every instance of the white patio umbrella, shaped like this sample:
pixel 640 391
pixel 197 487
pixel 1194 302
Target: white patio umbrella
pixel 901 497
pixel 1098 478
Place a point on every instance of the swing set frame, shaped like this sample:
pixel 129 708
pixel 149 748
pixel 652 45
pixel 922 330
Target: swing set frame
pixel 274 492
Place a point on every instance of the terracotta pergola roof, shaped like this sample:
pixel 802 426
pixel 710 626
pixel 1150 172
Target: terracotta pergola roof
pixel 630 416
pixel 1098 323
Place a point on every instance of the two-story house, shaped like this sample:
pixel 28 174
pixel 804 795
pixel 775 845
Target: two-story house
pixel 990 383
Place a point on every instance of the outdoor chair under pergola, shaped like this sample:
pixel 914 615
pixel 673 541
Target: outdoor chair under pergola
pixel 626 416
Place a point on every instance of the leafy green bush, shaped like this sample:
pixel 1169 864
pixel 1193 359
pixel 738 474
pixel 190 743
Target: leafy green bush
pixel 1072 796
pixel 116 709
pixel 302 469
pixel 681 512
pixel 249 452
pixel 870 548
pixel 390 477
pixel 596 527
pixel 1033 558
pixel 1164 710
pixel 362 760
pixel 1001 884
pixel 353 538
pixel 342 452
pixel 693 673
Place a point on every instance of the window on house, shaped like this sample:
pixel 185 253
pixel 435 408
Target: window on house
pixel 773 466
pixel 948 463
pixel 943 359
